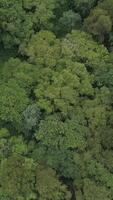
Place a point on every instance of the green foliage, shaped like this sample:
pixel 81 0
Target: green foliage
pixel 63 93
pixel 46 51
pixel 98 23
pixel 56 107
pixel 80 46
pixel 16 177
pixel 18 19
pixel 83 6
pixel 70 20
pixel 61 135
pixel 93 191
pixel 25 74
pixel 31 119
pixel 48 185
pixel 13 101
pixel 13 27
pixel 11 145
pixel 108 6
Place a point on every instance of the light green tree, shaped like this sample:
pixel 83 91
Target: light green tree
pixel 17 178
pixel 13 101
pixel 48 185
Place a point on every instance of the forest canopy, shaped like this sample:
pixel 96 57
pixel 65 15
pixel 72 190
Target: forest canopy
pixel 56 100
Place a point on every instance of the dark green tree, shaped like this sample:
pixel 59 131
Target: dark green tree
pixel 99 24
pixel 70 20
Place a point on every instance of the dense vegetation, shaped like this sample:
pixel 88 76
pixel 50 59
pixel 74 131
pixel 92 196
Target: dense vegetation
pixel 56 99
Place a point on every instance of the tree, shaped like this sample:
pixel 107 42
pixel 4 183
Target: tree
pixel 98 24
pixel 47 50
pixel 4 146
pixel 11 145
pixel 62 93
pixel 31 119
pixel 108 6
pixel 4 196
pixel 79 46
pixel 13 102
pixel 14 28
pixel 49 186
pixel 23 73
pixel 70 20
pixel 18 145
pixel 100 174
pixel 101 193
pixel 55 134
pixel 84 6
pixel 18 19
pixel 17 178
pixel 56 91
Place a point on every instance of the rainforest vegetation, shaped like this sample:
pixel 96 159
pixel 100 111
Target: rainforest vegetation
pixel 56 99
